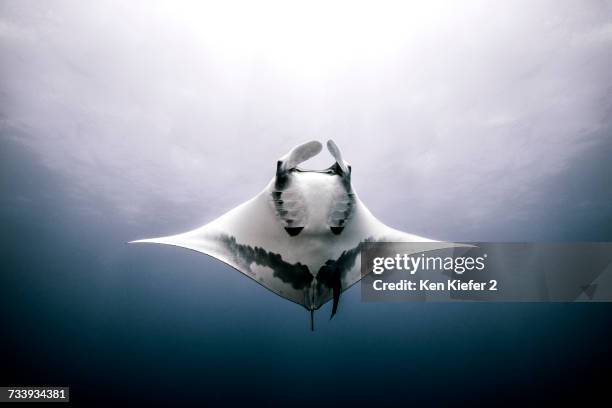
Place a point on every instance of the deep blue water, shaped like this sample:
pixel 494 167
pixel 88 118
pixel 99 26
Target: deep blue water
pixel 81 308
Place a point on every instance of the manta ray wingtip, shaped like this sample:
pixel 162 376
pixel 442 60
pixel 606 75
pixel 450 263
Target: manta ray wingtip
pixel 136 241
pixel 146 241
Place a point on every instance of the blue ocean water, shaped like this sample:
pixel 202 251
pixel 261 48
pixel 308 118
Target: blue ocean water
pixel 116 322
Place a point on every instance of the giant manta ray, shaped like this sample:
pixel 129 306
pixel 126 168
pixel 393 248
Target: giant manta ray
pixel 301 237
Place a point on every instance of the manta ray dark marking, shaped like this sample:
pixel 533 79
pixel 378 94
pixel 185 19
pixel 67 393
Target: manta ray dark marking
pixel 301 237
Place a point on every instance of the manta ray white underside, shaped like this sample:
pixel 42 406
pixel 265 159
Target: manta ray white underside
pixel 301 236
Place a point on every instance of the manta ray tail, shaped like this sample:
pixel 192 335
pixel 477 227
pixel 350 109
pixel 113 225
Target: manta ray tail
pixel 311 319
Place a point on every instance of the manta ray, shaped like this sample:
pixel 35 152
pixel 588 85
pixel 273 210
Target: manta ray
pixel 301 237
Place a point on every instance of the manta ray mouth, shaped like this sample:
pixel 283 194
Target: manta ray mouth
pixel 331 170
pixel 308 150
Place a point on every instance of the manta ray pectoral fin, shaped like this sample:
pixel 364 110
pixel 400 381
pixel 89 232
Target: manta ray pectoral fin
pixel 150 241
pixel 173 240
pixel 270 269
